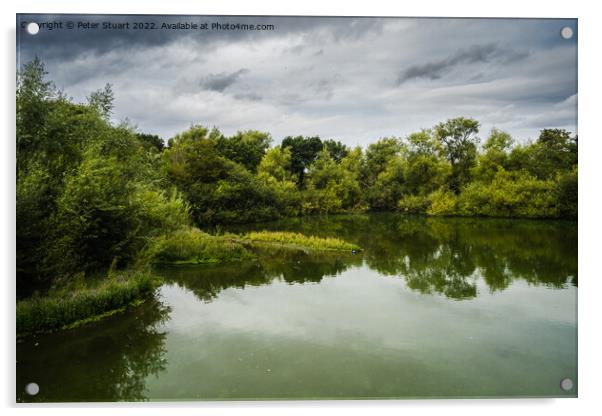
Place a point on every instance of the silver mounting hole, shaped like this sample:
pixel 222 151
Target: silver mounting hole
pixel 566 32
pixel 566 384
pixel 32 389
pixel 32 28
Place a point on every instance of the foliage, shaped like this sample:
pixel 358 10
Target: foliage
pixel 304 151
pixel 337 150
pixel 300 240
pixel 414 204
pixel 102 101
pixel 378 156
pixel 516 194
pixel 192 246
pixel 458 136
pixel 426 169
pixel 91 195
pixel 567 194
pixel 274 171
pixel 87 194
pixel 151 142
pixel 69 307
pixel 246 148
pixel 442 202
pixel 219 190
pixel 332 187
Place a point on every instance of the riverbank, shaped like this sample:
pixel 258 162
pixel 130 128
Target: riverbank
pixel 193 246
pixel 78 302
pixel 62 309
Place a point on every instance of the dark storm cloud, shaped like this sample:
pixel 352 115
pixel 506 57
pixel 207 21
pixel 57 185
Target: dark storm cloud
pixel 65 44
pixel 219 82
pixel 474 54
pixel 324 76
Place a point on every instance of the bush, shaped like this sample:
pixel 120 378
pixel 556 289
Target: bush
pixel 443 202
pixel 414 204
pixel 107 212
pixel 567 194
pixel 510 195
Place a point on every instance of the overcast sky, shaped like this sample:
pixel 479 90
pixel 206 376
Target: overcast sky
pixel 353 80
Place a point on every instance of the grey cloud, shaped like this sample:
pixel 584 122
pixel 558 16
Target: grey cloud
pixel 474 54
pixel 64 44
pixel 219 82
pixel 250 96
pixel 337 85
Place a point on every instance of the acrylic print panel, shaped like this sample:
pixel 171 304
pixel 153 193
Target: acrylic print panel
pixel 234 208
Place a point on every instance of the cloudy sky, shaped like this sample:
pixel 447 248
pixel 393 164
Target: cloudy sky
pixel 354 80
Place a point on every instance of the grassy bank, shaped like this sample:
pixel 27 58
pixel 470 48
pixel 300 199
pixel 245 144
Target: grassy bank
pixel 78 301
pixel 301 241
pixel 192 246
pixel 63 309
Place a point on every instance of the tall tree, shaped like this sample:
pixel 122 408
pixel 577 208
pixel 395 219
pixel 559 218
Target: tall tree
pixel 458 136
pixel 245 147
pixel 336 149
pixel 304 151
pixel 102 100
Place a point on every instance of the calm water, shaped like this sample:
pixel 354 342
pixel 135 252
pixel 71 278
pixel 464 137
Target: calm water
pixel 431 308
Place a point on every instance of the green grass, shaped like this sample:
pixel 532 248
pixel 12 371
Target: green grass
pixel 192 246
pixel 63 309
pixel 300 240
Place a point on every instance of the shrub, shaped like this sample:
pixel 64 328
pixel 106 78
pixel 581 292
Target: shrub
pixel 414 204
pixel 510 195
pixel 443 202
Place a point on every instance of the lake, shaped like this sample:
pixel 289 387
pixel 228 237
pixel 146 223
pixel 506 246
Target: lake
pixel 431 308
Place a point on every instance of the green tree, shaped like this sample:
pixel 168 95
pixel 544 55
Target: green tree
pixel 274 170
pixel 245 147
pixel 378 156
pixel 219 190
pixel 332 187
pixel 389 185
pixel 426 169
pixel 304 151
pixel 495 156
pixel 458 136
pixel 151 142
pixel 102 100
pixel 336 149
pixel 34 93
pixel 568 187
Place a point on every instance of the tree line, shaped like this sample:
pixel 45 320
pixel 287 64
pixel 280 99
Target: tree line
pixel 91 194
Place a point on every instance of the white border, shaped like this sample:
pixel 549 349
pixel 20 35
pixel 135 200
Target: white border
pixel 590 207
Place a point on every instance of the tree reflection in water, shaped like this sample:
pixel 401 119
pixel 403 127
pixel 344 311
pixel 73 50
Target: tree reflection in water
pixel 434 255
pixel 116 355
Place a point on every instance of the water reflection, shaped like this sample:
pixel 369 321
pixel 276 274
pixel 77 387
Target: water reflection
pixel 115 355
pixel 291 266
pixel 446 256
pixel 116 358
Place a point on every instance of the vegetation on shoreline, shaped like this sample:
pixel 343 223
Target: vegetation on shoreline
pixel 301 241
pixel 74 305
pixel 192 246
pixel 94 197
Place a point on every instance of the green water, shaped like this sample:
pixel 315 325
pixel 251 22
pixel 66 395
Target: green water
pixel 431 308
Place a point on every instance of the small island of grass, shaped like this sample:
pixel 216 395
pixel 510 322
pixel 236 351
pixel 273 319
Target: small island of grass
pixel 298 240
